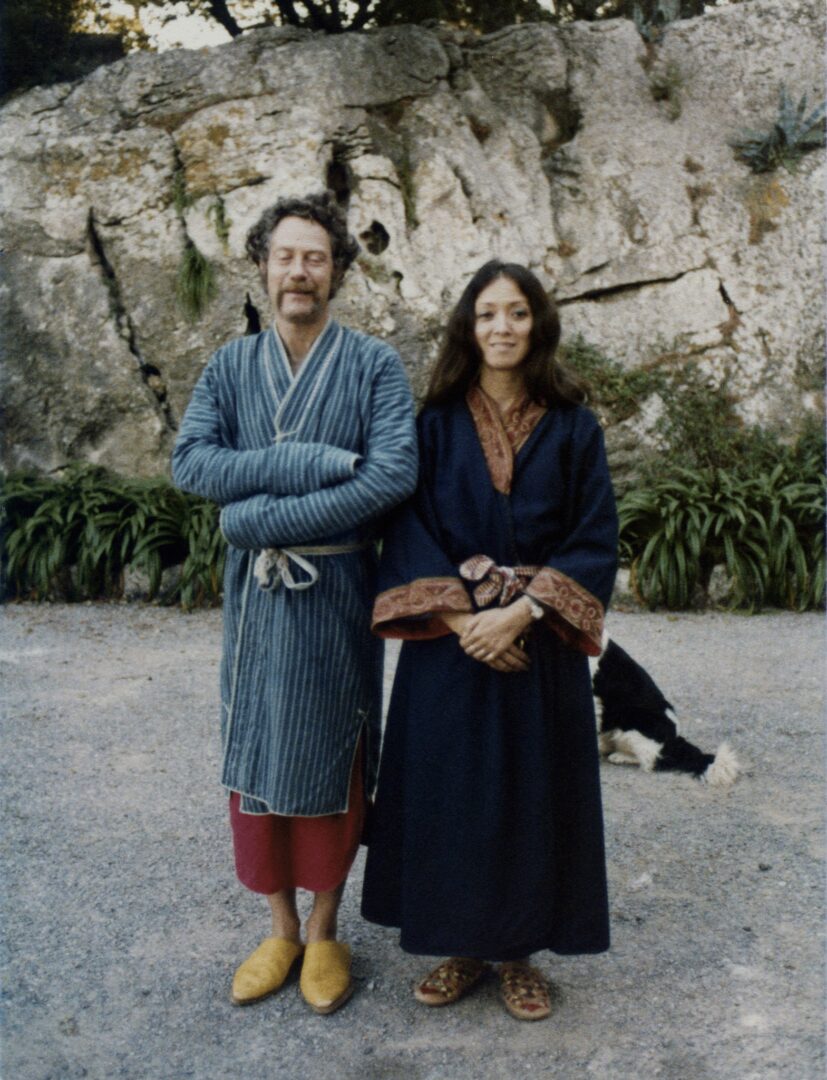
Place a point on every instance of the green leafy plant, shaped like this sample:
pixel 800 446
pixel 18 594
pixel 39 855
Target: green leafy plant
pixel 766 528
pixel 217 213
pixel 195 286
pixel 675 531
pixel 74 537
pixel 652 16
pixel 718 490
pixel 613 388
pixel 181 198
pixel 700 427
pixel 794 133
pixel 203 568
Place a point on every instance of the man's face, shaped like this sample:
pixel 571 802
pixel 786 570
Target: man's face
pixel 299 271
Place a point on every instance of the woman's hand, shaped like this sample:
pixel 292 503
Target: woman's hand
pixel 490 636
pixel 457 621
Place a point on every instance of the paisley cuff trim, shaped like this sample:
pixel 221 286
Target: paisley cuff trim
pixel 411 612
pixel 572 612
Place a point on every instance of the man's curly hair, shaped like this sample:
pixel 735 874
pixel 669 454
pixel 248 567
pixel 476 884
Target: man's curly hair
pixel 320 207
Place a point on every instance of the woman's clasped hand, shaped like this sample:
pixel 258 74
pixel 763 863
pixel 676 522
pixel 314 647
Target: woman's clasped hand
pixel 492 636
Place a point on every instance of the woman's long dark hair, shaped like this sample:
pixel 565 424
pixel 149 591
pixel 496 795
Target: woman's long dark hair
pixel 547 381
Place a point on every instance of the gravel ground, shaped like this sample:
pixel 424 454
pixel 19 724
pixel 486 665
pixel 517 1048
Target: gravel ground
pixel 123 921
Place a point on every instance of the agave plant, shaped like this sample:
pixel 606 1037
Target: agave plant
pixel 203 568
pixel 794 133
pixel 74 537
pixel 795 512
pixel 661 532
pixel 37 534
pixel 767 530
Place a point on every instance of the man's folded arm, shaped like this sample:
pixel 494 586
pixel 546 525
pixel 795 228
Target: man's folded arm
pixel 204 463
pixel 385 477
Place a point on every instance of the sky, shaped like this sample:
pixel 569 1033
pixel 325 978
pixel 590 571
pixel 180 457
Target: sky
pixel 173 27
pixel 181 31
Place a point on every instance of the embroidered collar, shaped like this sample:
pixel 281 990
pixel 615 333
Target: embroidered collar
pixel 502 437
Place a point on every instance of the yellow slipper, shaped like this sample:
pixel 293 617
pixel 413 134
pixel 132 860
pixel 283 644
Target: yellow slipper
pixel 265 970
pixel 325 978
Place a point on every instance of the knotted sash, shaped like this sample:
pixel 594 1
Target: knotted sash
pixel 272 567
pixel 501 583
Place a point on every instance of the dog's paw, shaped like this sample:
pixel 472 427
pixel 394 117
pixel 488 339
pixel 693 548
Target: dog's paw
pixel 642 750
pixel 605 743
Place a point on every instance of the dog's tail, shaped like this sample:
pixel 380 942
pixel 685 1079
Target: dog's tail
pixel 718 770
pixel 724 770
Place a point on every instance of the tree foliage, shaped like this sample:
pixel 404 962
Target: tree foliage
pixel 44 41
pixel 338 16
pixel 39 42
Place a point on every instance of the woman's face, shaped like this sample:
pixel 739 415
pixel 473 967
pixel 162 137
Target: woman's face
pixel 502 325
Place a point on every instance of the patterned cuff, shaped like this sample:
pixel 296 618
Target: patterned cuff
pixel 411 612
pixel 575 615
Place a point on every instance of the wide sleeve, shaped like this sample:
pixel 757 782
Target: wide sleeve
pixel 205 463
pixel 575 584
pixel 417 580
pixel 384 477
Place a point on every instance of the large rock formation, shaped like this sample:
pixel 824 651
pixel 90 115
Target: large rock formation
pixel 542 144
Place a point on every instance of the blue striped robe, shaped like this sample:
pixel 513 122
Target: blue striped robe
pixel 314 459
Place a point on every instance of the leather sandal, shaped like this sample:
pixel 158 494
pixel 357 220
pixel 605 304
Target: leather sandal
pixel 264 971
pixel 452 979
pixel 525 991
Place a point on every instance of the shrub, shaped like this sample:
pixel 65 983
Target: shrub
pixel 700 427
pixel 614 389
pixel 73 537
pixel 717 491
pixel 766 527
pixel 791 136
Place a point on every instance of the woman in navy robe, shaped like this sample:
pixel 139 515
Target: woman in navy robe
pixel 487 837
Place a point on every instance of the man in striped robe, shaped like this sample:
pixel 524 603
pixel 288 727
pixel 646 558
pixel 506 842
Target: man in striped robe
pixel 304 434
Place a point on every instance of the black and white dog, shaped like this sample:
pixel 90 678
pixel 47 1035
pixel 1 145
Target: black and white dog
pixel 636 724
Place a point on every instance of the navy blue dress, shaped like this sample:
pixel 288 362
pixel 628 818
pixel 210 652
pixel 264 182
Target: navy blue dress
pixel 487 834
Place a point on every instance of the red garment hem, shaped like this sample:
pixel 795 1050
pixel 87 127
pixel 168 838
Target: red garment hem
pixel 275 852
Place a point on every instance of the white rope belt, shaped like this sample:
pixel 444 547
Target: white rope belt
pixel 272 567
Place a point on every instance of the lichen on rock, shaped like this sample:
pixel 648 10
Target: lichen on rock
pixel 538 143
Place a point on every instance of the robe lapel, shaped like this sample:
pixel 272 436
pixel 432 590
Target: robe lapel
pixel 294 396
pixel 502 439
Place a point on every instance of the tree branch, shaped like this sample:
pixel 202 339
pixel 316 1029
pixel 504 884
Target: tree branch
pixel 333 17
pixel 288 13
pixel 319 18
pixel 221 13
pixel 363 13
